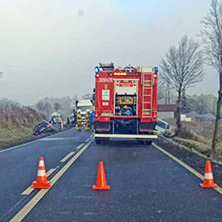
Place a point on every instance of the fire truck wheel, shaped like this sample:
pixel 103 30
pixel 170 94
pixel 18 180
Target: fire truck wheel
pixel 98 141
pixel 102 140
pixel 147 142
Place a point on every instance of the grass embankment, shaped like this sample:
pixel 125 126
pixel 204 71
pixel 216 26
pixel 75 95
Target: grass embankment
pixel 192 144
pixel 12 136
pixel 16 123
pixel 198 136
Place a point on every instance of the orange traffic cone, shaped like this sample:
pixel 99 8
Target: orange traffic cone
pixel 208 177
pixel 101 179
pixel 41 180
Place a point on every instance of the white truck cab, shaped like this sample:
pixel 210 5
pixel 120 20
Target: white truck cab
pixel 84 105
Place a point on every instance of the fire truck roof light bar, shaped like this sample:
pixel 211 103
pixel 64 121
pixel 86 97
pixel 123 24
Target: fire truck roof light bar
pixel 106 66
pixel 135 136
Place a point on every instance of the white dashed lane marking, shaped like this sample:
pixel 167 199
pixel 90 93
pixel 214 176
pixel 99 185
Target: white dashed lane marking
pixel 79 146
pixel 67 156
pixel 31 204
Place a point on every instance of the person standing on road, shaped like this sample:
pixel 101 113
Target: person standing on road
pixel 74 116
pixel 92 117
pixel 79 121
pixel 87 119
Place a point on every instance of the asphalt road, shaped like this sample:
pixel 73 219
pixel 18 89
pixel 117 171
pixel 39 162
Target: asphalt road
pixel 146 185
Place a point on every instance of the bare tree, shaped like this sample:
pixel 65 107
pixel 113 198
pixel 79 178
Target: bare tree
pixel 182 68
pixel 161 89
pixel 212 38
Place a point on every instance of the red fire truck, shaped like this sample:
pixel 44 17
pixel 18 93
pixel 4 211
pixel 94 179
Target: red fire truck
pixel 125 103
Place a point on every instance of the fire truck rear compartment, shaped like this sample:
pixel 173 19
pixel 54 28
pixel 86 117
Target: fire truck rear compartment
pixel 125 126
pixel 125 105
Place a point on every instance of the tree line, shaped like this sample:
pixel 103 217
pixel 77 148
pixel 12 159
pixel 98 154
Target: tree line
pixel 202 104
pixel 183 64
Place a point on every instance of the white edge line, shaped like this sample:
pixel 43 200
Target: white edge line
pixel 28 143
pixel 190 169
pixel 31 204
pixel 30 189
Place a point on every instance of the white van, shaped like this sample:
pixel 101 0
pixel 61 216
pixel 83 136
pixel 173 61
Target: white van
pixel 162 127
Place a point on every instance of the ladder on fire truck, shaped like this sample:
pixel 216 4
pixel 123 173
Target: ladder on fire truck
pixel 147 91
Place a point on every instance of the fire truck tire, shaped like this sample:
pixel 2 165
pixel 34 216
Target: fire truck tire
pixel 98 141
pixel 145 142
pixel 148 142
pixel 105 140
pixel 101 140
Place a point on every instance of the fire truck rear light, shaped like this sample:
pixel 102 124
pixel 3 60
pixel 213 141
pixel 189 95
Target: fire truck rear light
pixel 154 114
pixel 119 73
pixel 97 75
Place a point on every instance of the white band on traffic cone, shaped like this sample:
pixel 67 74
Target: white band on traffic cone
pixel 41 163
pixel 41 173
pixel 208 176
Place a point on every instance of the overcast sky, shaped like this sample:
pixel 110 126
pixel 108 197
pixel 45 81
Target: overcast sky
pixel 50 47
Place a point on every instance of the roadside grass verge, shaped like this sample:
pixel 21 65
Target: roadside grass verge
pixel 198 136
pixel 193 144
pixel 14 135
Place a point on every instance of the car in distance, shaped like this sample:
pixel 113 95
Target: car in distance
pixel 43 127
